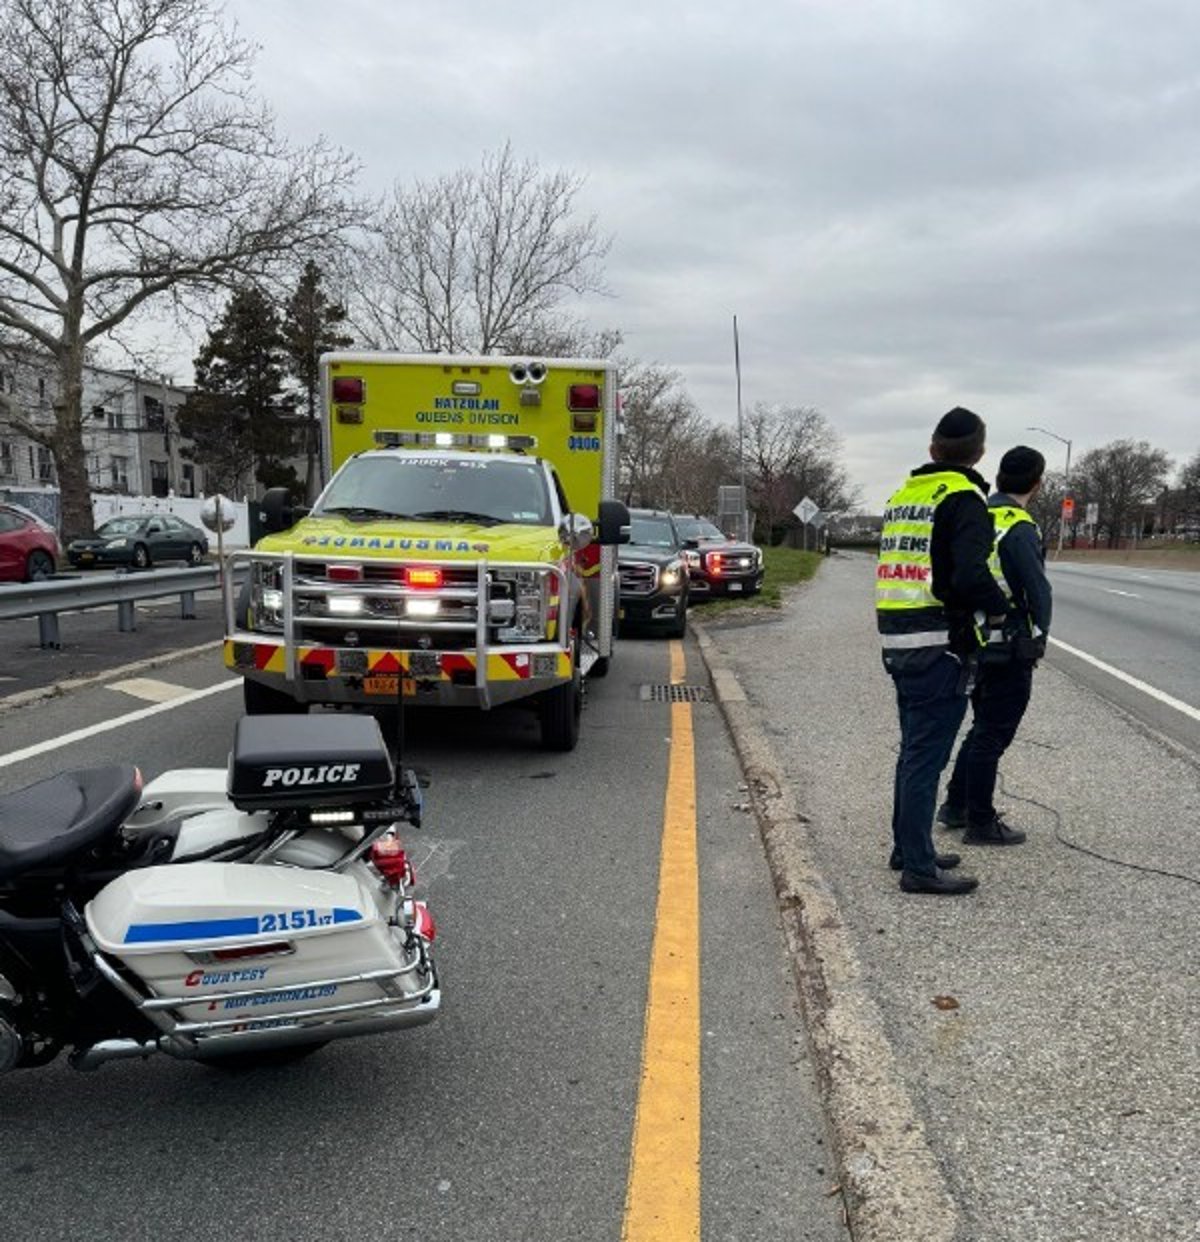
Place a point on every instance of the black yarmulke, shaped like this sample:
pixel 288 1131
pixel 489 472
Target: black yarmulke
pixel 1023 463
pixel 958 424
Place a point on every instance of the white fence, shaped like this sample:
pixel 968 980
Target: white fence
pixel 183 507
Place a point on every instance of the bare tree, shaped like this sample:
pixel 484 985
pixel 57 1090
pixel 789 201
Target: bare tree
pixel 658 419
pixel 478 261
pixel 792 452
pixel 1121 478
pixel 135 163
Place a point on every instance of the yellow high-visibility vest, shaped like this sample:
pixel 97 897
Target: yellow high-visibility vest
pixel 908 613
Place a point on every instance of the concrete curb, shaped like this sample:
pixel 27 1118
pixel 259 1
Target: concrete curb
pixel 892 1183
pixel 25 698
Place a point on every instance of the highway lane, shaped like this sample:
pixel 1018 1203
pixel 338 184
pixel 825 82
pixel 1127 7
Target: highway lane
pixel 1145 623
pixel 512 1116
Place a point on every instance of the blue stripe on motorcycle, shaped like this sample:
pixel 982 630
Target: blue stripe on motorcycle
pixel 215 929
pixel 207 929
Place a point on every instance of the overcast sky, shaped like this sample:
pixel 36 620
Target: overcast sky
pixel 909 204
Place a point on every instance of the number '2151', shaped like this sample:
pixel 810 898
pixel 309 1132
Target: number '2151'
pixel 292 920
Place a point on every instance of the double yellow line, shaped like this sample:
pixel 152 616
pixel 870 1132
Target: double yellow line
pixel 662 1201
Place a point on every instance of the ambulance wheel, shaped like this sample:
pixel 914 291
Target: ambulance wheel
pixel 263 700
pixel 264 1058
pixel 559 712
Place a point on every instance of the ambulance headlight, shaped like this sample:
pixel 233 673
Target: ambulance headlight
pixel 266 597
pixel 528 589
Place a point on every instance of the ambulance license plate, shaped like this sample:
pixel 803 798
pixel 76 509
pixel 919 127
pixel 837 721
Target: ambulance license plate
pixel 387 683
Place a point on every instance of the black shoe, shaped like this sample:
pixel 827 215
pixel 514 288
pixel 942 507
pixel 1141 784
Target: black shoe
pixel 946 862
pixel 951 816
pixel 995 833
pixel 945 885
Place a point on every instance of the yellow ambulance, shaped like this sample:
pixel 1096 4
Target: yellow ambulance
pixel 462 553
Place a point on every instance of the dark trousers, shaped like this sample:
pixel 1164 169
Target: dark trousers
pixel 932 702
pixel 999 701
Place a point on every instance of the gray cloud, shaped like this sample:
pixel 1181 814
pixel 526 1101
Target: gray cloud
pixel 909 204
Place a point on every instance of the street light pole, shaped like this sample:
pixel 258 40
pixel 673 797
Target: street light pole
pixel 1066 476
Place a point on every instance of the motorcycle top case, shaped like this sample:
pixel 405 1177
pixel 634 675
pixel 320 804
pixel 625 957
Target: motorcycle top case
pixel 280 762
pixel 168 924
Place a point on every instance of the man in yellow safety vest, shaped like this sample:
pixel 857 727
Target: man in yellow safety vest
pixel 935 598
pixel 1006 664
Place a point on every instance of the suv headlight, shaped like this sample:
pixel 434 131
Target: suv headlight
pixel 671 573
pixel 266 597
pixel 693 559
pixel 529 591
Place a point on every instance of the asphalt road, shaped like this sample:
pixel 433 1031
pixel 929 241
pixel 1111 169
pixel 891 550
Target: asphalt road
pixel 1146 624
pixel 510 1117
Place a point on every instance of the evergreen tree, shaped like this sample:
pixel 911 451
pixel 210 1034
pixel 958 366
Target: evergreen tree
pixel 310 328
pixel 237 416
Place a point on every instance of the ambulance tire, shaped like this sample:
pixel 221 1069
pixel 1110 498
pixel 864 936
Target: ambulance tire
pixel 559 711
pixel 260 700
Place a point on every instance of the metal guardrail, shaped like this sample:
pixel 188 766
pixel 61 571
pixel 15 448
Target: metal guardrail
pixel 69 593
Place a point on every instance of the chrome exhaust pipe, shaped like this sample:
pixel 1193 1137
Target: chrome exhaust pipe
pixel 87 1059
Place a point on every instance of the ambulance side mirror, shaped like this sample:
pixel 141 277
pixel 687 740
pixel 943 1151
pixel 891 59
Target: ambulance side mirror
pixel 614 523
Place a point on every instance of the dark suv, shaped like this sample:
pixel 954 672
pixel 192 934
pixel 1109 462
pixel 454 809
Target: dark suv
pixel 718 565
pixel 654 575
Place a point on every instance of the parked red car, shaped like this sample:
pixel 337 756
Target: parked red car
pixel 29 548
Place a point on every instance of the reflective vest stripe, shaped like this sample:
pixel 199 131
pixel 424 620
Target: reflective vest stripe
pixel 919 638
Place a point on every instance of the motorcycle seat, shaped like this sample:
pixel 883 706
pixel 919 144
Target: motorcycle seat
pixel 48 823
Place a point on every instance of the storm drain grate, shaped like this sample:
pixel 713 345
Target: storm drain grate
pixel 675 693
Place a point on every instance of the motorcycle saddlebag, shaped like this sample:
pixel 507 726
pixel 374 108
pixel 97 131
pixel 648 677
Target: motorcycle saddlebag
pixel 262 940
pixel 328 760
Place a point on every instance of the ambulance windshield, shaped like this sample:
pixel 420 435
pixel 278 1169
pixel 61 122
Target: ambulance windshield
pixel 468 489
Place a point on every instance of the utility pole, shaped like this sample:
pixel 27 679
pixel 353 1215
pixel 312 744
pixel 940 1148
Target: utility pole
pixel 737 367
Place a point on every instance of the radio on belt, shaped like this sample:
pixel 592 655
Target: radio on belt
pixel 283 761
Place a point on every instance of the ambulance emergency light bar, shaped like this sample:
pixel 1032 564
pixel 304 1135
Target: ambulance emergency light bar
pixel 451 439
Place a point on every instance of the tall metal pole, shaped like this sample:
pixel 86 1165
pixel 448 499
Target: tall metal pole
pixel 1066 477
pixel 737 367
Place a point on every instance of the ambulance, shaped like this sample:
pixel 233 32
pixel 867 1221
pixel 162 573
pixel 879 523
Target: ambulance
pixel 463 552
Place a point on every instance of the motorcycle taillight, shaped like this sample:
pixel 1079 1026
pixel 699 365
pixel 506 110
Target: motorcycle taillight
pixel 391 861
pixel 423 923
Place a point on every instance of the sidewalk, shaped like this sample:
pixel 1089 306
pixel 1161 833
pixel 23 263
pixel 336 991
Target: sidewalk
pixel 1021 1064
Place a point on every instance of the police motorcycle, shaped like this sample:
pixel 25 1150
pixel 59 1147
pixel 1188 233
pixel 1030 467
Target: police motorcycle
pixel 230 916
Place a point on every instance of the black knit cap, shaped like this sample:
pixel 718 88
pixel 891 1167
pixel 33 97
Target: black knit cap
pixel 1020 469
pixel 958 424
pixel 958 438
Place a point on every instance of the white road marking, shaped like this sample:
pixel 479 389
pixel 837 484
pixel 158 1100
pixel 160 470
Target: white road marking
pixel 105 726
pixel 1114 591
pixel 1178 704
pixel 149 688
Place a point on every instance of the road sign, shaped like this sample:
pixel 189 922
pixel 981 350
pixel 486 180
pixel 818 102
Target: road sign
pixel 1068 508
pixel 806 510
pixel 1093 513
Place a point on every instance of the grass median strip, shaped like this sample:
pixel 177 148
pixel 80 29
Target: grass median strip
pixel 784 567
pixel 663 1198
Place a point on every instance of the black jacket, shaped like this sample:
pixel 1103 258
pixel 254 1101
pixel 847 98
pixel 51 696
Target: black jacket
pixel 959 551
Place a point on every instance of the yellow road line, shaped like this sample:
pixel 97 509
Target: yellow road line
pixel 662 1203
